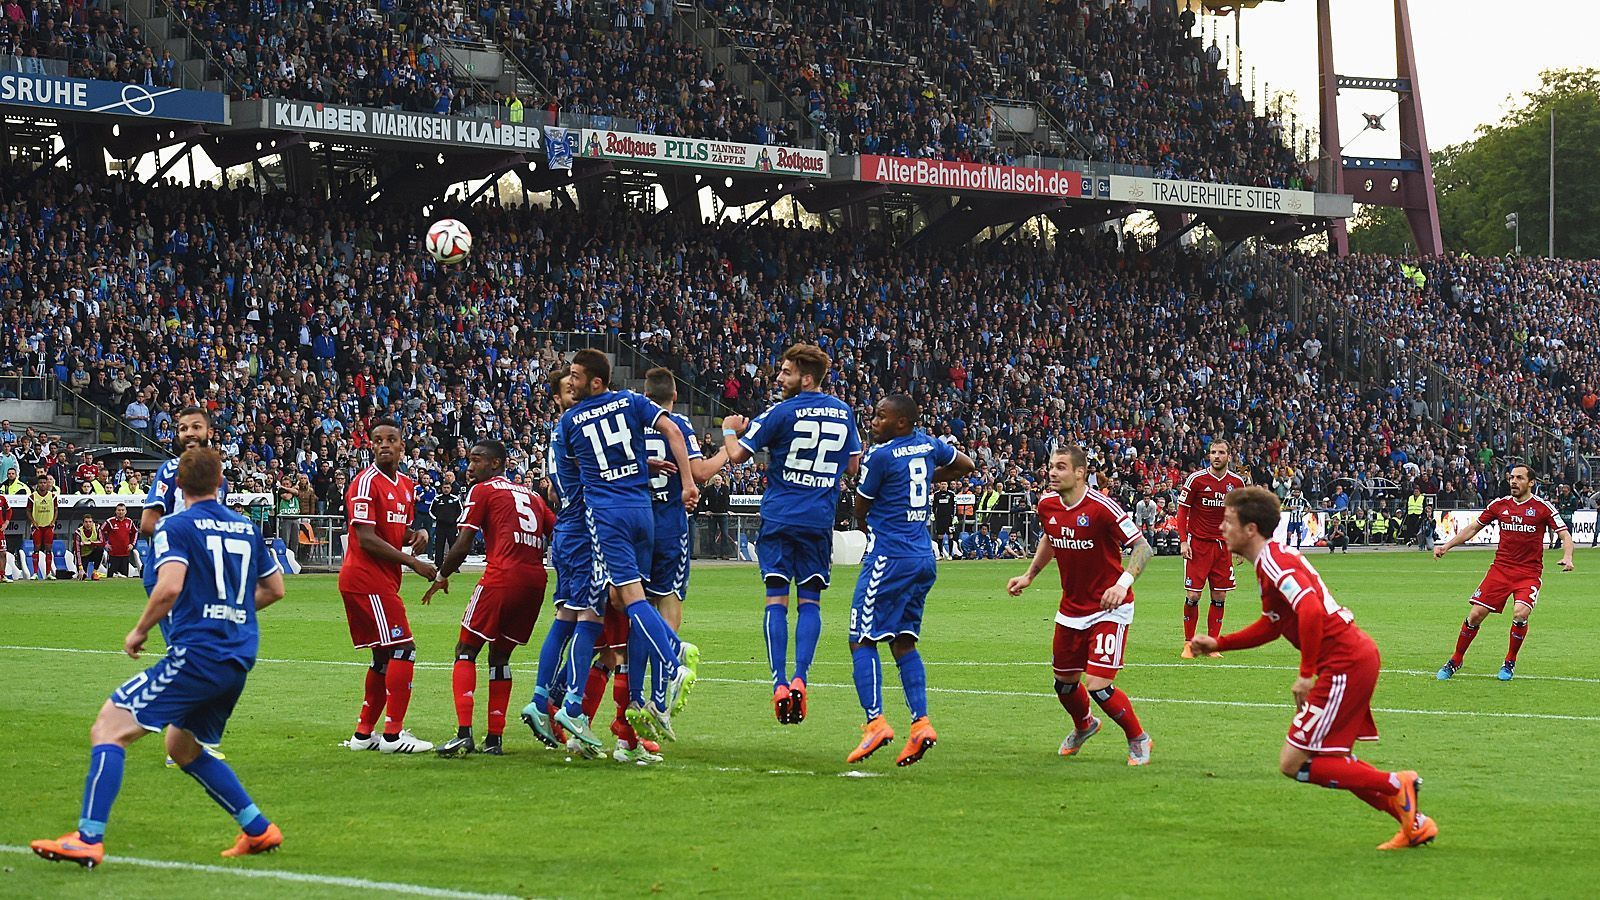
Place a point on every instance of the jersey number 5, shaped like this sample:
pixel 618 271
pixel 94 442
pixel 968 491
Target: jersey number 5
pixel 527 516
pixel 820 440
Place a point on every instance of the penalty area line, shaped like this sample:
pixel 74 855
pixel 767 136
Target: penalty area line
pixel 414 890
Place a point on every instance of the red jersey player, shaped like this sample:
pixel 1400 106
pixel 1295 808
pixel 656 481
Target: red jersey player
pixel 120 532
pixel 1523 518
pixel 1205 556
pixel 1086 532
pixel 379 505
pixel 1338 670
pixel 516 526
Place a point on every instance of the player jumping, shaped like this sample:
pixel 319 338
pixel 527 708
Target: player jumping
pixel 811 440
pixel 1086 532
pixel 1338 670
pixel 898 570
pixel 516 525
pixel 1517 569
pixel 379 505
pixel 1205 556
pixel 215 574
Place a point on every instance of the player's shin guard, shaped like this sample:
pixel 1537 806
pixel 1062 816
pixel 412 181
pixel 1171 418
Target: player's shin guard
pixel 594 690
pixel 224 787
pixel 1214 618
pixel 463 684
pixel 1075 700
pixel 1463 641
pixel 914 681
pixel 807 631
pixel 1519 633
pixel 550 657
pixel 376 692
pixel 869 679
pixel 1350 774
pixel 1191 618
pixel 578 660
pixel 499 698
pixel 775 622
pixel 1116 704
pixel 397 690
pixel 100 790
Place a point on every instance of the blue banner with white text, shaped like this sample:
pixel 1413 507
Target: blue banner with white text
pixel 143 101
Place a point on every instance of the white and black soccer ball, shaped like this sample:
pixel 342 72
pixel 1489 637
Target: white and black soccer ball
pixel 448 241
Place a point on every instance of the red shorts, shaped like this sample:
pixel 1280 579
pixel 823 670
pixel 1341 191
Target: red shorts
pixel 615 632
pixel 376 620
pixel 1211 563
pixel 504 613
pixel 44 539
pixel 1338 711
pixel 1096 650
pixel 1498 585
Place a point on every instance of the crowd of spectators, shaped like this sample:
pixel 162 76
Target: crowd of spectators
pixel 298 320
pixel 74 38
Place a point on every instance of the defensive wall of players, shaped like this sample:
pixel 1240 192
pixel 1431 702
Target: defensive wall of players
pixel 578 146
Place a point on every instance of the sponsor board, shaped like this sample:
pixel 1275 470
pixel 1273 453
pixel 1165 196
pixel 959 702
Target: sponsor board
pixel 965 176
pixel 397 125
pixel 623 146
pixel 112 98
pixel 1206 195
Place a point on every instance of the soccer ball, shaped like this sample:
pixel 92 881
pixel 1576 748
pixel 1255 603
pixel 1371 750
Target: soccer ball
pixel 448 241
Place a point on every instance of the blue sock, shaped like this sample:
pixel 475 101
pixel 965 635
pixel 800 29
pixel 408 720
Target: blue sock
pixel 655 634
pixel 658 684
pixel 776 621
pixel 638 665
pixel 807 632
pixel 582 654
pixel 914 679
pixel 224 787
pixel 550 657
pixel 869 679
pixel 100 790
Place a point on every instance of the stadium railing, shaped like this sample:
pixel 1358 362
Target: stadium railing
pixel 316 541
pixel 26 387
pixel 103 422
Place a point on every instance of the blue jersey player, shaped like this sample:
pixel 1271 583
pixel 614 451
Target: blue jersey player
pixel 604 433
pixel 811 441
pixel 892 505
pixel 164 497
pixel 214 575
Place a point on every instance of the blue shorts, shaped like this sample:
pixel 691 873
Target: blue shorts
pixel 622 539
pixel 147 565
pixel 184 689
pixel 889 597
pixel 794 554
pixel 669 562
pixel 573 560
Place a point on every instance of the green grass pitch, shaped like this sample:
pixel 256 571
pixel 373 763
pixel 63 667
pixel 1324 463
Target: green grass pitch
pixel 745 807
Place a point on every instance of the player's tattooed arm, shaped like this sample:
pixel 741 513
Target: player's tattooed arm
pixel 1141 556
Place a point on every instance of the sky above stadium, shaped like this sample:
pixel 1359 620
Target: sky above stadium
pixel 1472 56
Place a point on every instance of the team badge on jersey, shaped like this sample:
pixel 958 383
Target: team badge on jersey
pixel 1083 521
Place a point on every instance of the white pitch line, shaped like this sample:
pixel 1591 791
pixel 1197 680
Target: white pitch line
pixel 1040 664
pixel 415 890
pixel 1554 717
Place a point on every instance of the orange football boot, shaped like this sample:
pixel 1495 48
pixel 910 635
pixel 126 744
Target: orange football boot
pixel 1404 803
pixel 1423 831
pixel 265 842
pixel 875 735
pixel 71 848
pixel 781 703
pixel 797 701
pixel 922 738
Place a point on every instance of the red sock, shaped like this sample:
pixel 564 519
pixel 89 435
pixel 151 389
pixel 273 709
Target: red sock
pixel 1519 631
pixel 1350 774
pixel 499 698
pixel 372 703
pixel 595 690
pixel 1076 703
pixel 463 682
pixel 397 682
pixel 1214 618
pixel 1463 641
pixel 1377 801
pixel 1117 705
pixel 1191 617
pixel 619 692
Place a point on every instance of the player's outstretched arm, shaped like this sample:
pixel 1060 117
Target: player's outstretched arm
pixel 169 584
pixel 1457 539
pixel 1261 631
pixel 383 551
pixel 269 590
pixel 707 466
pixel 147 522
pixel 1566 550
pixel 1041 558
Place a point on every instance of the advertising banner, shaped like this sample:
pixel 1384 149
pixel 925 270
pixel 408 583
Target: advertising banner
pixel 395 125
pixel 655 149
pixel 965 176
pixel 559 144
pixel 1203 195
pixel 1453 520
pixel 112 98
